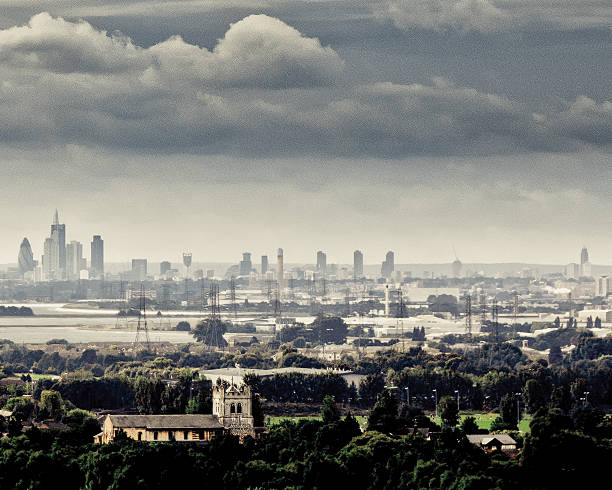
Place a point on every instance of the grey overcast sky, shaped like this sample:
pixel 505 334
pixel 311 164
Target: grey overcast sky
pixel 225 126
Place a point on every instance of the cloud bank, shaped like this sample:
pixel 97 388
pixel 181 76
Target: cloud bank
pixel 264 89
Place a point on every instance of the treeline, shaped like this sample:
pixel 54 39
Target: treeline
pixel 16 311
pixel 561 451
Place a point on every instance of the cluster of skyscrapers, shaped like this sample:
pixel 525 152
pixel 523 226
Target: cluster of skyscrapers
pixel 60 260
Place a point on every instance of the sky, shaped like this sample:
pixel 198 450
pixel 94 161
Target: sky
pixel 220 127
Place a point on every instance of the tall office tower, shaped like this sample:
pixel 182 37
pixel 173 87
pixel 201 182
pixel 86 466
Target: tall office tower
pixel 585 265
pixel 164 267
pixel 50 260
pixel 25 258
pixel 264 264
pixel 139 269
pixel 58 234
pixel 280 275
pixel 388 266
pixel 584 255
pixel 245 264
pixel 357 264
pixel 321 262
pixel 572 271
pixel 97 256
pixel 74 259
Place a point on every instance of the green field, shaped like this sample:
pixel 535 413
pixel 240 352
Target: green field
pixel 483 420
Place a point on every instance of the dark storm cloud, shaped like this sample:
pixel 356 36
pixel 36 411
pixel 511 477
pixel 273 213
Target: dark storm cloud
pixel 256 93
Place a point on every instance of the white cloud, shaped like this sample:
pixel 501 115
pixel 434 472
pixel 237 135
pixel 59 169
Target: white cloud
pixel 258 51
pixel 488 16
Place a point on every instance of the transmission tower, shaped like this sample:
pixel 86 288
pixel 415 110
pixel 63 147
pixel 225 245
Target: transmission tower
pixel 468 315
pixel 233 297
pixel 400 304
pixel 122 290
pixel 202 296
pixel 483 309
pixel 516 307
pixel 142 331
pixel 214 335
pixel 495 320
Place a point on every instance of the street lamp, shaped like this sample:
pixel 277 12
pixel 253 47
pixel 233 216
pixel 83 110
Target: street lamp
pixel 457 391
pixel 518 410
pixel 586 397
pixel 407 389
pixel 435 392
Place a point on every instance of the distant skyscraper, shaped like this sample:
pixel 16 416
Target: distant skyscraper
pixel 388 266
pixel 357 264
pixel 280 274
pixel 164 267
pixel 245 264
pixel 74 260
pixel 321 262
pixel 58 234
pixel 139 269
pixel 457 266
pixel 264 264
pixel 584 256
pixel 585 265
pixel 50 260
pixel 25 258
pixel 97 256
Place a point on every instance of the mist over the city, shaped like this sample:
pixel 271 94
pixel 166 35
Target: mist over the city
pixel 305 244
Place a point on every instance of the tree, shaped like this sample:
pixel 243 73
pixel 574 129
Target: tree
pixel 508 411
pixel 183 326
pixel 555 356
pixel 51 402
pixel 370 387
pixel 597 322
pixel 557 323
pixel 210 332
pixel 329 410
pixel 329 329
pixel 469 426
pixel 449 412
pixel 589 323
pixel 383 416
pixel 535 395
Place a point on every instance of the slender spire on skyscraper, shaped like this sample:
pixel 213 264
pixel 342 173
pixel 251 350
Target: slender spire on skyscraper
pixel 56 218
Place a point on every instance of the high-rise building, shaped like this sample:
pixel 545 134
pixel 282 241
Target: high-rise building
pixel 264 264
pixel 139 269
pixel 388 266
pixel 584 255
pixel 280 274
pixel 357 264
pixel 572 271
pixel 50 260
pixel 164 267
pixel 456 266
pixel 25 258
pixel 321 263
pixel 245 264
pixel 97 256
pixel 58 234
pixel 74 260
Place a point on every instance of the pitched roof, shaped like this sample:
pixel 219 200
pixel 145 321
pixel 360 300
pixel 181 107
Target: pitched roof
pixel 195 421
pixel 480 439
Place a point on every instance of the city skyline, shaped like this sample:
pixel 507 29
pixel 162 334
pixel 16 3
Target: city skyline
pixel 374 126
pixel 97 255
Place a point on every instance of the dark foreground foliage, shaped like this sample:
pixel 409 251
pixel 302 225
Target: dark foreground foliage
pixel 561 452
